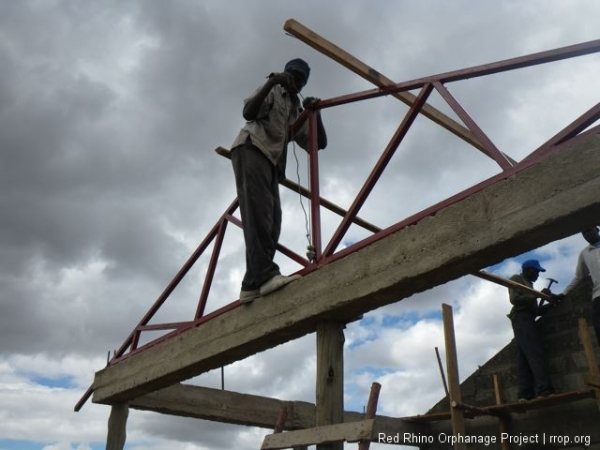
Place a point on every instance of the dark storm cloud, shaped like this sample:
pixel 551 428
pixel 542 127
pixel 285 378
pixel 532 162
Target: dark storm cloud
pixel 76 181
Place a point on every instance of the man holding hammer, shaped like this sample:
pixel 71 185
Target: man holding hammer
pixel 532 368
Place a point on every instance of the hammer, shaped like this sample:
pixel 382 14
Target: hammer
pixel 550 281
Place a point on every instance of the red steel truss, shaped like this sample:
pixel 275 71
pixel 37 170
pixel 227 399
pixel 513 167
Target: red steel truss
pixel 326 253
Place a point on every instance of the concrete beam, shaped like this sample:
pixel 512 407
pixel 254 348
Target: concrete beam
pixel 550 200
pixel 250 410
pixel 226 407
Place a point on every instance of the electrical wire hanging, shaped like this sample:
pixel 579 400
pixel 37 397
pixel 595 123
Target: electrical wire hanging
pixel 310 249
pixel 306 214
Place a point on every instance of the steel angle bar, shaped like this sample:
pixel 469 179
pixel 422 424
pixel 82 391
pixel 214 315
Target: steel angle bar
pixel 471 72
pixel 176 280
pixel 315 204
pixel 574 140
pixel 212 267
pixel 490 148
pixel 378 170
pixel 164 326
pixel 520 62
pixel 567 133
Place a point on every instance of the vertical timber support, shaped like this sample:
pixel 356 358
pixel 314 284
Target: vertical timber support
pixel 503 420
pixel 588 347
pixel 117 425
pixel 330 377
pixel 280 423
pixel 456 414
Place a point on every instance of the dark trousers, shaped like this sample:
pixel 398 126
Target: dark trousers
pixel 596 317
pixel 532 368
pixel 258 193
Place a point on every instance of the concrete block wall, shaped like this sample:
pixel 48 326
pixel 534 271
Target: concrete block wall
pixel 567 364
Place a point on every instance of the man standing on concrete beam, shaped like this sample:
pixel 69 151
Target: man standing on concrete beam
pixel 258 156
pixel 588 265
pixel 532 368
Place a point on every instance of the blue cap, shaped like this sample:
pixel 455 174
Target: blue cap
pixel 299 65
pixel 533 264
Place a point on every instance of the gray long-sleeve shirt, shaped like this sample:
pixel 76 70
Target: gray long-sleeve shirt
pixel 588 265
pixel 270 130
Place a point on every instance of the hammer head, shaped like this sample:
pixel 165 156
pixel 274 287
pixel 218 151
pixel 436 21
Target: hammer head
pixel 550 281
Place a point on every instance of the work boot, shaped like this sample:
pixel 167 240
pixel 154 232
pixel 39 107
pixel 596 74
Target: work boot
pixel 248 296
pixel 276 282
pixel 547 393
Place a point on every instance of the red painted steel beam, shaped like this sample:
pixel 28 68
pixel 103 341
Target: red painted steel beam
pixel 490 148
pixel 164 326
pixel 432 210
pixel 570 131
pixel 212 267
pixel 185 326
pixel 174 282
pixel 472 72
pixel 315 204
pixel 378 170
pixel 533 59
pixel 84 398
pixel 574 140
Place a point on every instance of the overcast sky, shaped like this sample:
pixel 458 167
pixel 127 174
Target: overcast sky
pixel 110 112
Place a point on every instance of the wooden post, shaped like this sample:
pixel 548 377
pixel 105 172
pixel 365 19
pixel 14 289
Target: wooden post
pixel 371 411
pixel 500 400
pixel 584 335
pixel 330 378
pixel 117 425
pixel 456 415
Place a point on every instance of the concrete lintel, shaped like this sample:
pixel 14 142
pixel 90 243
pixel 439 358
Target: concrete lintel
pixel 250 410
pixel 553 199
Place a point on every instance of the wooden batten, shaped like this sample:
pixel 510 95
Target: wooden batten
pixel 324 435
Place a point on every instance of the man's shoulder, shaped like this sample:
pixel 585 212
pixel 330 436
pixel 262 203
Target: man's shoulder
pixel 521 279
pixel 587 250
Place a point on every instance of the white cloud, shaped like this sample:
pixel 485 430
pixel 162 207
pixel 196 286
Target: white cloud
pixel 66 446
